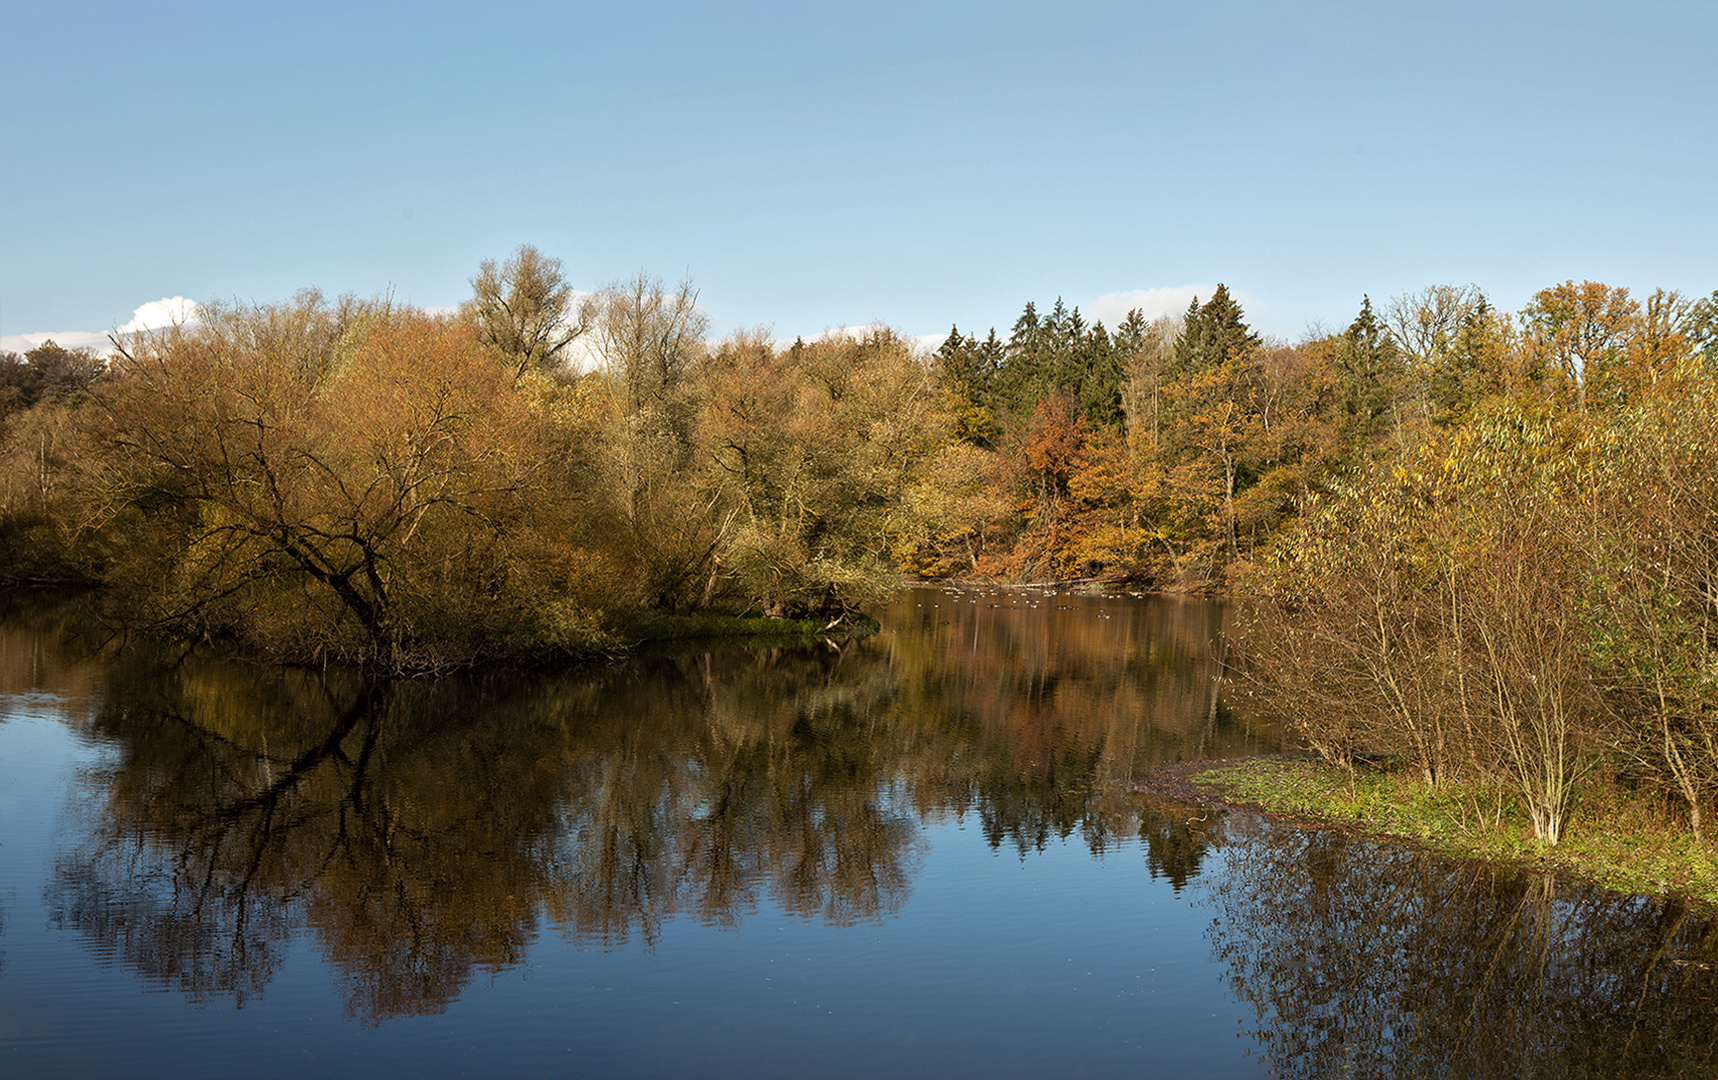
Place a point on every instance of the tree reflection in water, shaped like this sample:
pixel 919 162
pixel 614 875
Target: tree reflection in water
pixel 1365 959
pixel 424 830
pixel 419 832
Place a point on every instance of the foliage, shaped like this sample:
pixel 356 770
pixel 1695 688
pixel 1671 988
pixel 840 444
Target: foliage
pixel 815 456
pixel 1652 592
pixel 46 374
pixel 1484 540
pixel 1521 598
pixel 361 481
pixel 1159 433
pixel 1434 613
pixel 42 396
pixel 648 341
pixel 355 481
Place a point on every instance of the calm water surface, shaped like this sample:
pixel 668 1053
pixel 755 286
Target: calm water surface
pixel 917 855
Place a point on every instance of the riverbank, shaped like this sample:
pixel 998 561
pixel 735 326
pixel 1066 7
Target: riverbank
pixel 1618 840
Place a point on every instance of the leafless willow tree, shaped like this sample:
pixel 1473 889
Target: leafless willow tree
pixel 524 309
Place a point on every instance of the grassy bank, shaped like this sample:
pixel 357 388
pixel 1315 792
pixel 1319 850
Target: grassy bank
pixel 1618 839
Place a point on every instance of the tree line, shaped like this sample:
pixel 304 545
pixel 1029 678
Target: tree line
pixel 357 479
pixel 1480 544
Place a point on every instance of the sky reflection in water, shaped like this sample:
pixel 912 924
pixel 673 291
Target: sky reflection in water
pixel 916 854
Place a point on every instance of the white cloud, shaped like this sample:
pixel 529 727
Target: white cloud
pixel 928 343
pixel 1112 308
pixel 167 311
pixel 66 339
pixel 835 332
pixel 583 356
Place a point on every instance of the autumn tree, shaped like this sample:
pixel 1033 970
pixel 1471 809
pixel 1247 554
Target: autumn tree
pixel 1050 454
pixel 1212 427
pixel 1455 346
pixel 1582 333
pixel 957 512
pixel 814 454
pixel 1699 326
pixel 1653 584
pixel 648 341
pixel 44 397
pixel 46 373
pixel 1145 349
pixel 354 481
pixel 1440 610
pixel 1425 323
pixel 646 337
pixel 1075 483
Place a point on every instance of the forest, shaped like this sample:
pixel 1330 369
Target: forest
pixel 1480 542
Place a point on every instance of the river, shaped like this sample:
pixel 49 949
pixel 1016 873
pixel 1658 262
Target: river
pixel 918 854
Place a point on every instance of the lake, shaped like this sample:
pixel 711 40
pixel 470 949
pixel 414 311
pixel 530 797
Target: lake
pixel 918 854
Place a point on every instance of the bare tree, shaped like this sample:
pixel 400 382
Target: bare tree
pixel 522 309
pixel 647 340
pixel 646 337
pixel 1424 323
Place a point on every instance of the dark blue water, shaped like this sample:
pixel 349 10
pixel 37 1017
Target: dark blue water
pixel 918 855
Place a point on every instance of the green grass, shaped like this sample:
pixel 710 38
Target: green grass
pixel 1617 839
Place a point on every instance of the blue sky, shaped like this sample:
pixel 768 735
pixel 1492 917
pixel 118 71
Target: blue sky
pixel 812 166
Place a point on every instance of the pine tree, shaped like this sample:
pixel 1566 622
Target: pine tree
pixel 1100 378
pixel 967 370
pixel 1371 371
pixel 1214 334
pixel 1213 441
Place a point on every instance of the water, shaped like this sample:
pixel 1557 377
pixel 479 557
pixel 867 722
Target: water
pixel 917 855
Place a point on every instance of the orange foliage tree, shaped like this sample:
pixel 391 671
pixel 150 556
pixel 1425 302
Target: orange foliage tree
pixel 353 481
